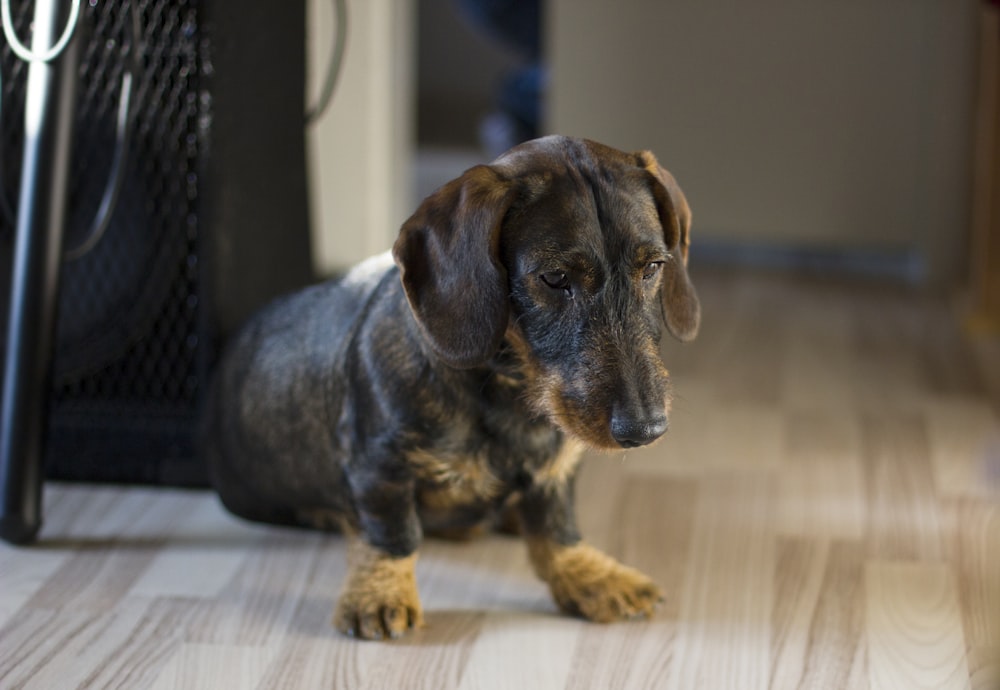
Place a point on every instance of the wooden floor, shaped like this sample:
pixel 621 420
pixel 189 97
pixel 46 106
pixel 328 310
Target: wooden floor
pixel 824 514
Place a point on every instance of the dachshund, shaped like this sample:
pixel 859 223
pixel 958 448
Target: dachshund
pixel 515 323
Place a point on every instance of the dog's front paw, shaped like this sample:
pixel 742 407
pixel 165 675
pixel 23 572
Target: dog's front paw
pixel 380 597
pixel 374 615
pixel 589 583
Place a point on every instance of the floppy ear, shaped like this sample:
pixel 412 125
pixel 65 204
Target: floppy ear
pixel 681 308
pixel 448 256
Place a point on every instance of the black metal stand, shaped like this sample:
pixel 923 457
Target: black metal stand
pixel 49 115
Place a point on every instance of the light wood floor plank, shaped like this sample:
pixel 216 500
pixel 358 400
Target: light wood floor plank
pixel 816 371
pixel 888 366
pixel 321 663
pixel 963 434
pixel 257 604
pixel 123 648
pixel 821 485
pixel 516 651
pixel 65 506
pixel 984 667
pixel 761 338
pixel 207 549
pixel 312 654
pixel 902 507
pixel 727 599
pixel 712 435
pixel 823 514
pixel 654 534
pixel 33 639
pixel 800 567
pixel 914 628
pixel 623 655
pixel 214 667
pixel 600 485
pixel 975 541
pixel 837 655
pixel 489 573
pixel 23 571
pixel 140 657
pixel 436 657
pixel 95 578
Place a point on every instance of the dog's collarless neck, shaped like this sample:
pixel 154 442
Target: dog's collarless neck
pixel 507 365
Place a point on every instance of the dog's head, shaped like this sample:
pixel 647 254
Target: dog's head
pixel 573 255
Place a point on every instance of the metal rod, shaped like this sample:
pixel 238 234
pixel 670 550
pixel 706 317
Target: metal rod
pixel 48 130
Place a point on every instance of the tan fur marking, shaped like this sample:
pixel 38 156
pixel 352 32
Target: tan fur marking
pixel 542 396
pixel 589 583
pixel 560 468
pixel 453 479
pixel 592 429
pixel 379 597
pixel 516 339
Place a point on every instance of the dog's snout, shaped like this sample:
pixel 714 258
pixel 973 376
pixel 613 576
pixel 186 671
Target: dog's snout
pixel 630 432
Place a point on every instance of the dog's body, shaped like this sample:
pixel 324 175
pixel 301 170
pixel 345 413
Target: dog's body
pixel 331 378
pixel 519 323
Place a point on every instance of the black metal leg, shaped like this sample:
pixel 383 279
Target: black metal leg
pixel 48 113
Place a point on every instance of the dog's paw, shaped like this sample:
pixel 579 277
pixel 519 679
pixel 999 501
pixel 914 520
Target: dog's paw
pixel 588 583
pixel 379 599
pixel 371 616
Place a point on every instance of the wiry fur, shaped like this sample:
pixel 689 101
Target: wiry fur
pixel 431 392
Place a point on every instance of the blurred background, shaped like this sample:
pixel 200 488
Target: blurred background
pixel 851 139
pixel 836 135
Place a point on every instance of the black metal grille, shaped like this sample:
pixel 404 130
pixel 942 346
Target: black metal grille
pixel 130 356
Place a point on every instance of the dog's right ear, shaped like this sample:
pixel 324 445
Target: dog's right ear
pixel 448 256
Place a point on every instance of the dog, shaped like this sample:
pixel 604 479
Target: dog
pixel 516 322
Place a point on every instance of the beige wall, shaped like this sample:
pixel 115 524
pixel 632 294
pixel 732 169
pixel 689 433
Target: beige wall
pixel 361 150
pixel 796 123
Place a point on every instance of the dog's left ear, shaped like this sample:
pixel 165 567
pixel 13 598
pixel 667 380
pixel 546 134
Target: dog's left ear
pixel 681 308
pixel 448 255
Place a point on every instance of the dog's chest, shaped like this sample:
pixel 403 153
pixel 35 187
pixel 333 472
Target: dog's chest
pixel 469 474
pixel 455 490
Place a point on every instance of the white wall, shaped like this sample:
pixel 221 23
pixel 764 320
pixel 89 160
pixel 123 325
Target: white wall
pixel 361 151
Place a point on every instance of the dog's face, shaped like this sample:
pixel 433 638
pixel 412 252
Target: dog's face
pixel 573 255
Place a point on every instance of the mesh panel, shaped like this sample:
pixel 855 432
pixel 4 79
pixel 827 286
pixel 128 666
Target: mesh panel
pixel 129 353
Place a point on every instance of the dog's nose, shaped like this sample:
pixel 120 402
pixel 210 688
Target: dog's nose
pixel 632 433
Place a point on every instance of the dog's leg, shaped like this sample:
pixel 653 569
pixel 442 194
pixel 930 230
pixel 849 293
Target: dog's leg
pixel 379 598
pixel 583 580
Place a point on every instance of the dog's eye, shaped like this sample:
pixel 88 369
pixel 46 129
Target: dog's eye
pixel 557 280
pixel 651 269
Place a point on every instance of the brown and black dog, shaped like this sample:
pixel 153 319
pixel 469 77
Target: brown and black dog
pixel 518 325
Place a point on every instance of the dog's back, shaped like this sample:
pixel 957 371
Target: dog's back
pixel 279 366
